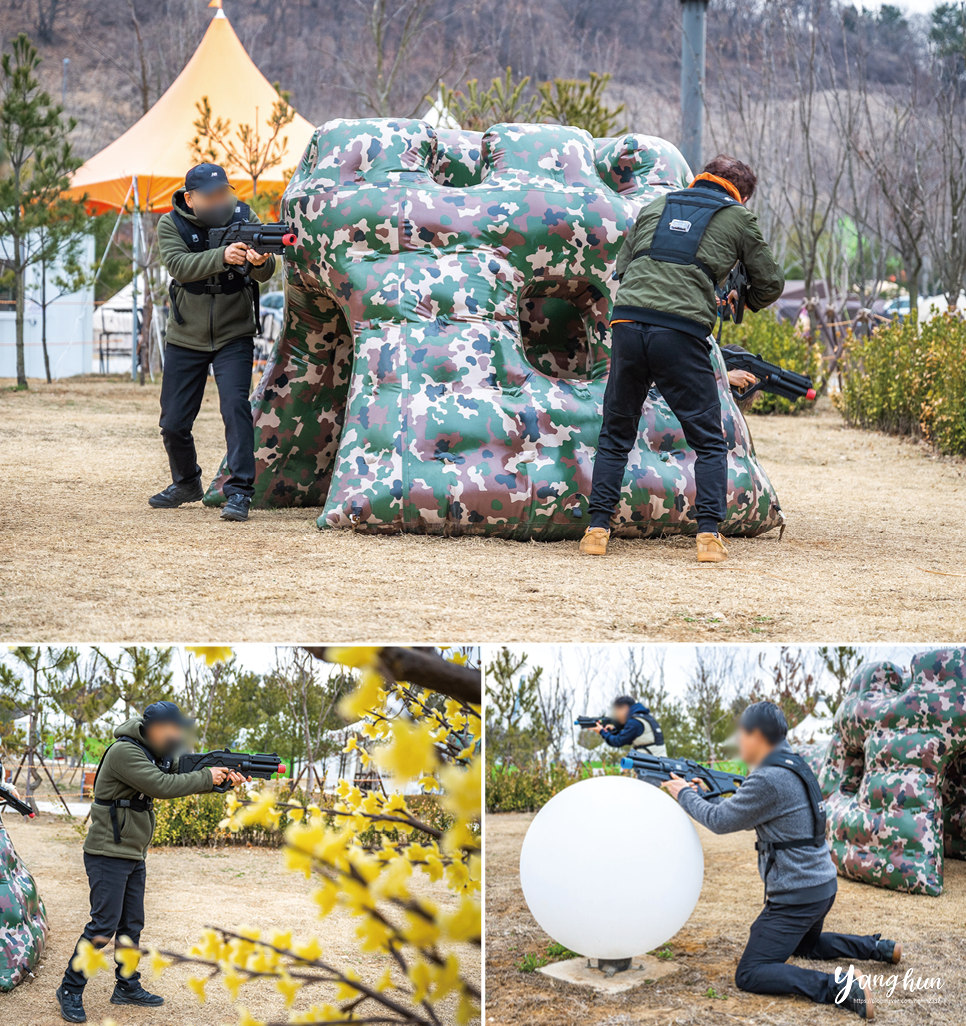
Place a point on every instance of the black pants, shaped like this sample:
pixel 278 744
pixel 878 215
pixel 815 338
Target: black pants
pixel 183 388
pixel 785 930
pixel 680 366
pixel 117 907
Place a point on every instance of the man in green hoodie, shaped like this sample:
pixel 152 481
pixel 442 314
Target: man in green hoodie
pixel 681 247
pixel 131 776
pixel 214 318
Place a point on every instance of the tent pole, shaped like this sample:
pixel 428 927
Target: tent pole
pixel 136 233
pixel 107 248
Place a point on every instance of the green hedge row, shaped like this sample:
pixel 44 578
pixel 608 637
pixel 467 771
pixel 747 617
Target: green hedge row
pixel 907 381
pixel 778 342
pixel 193 821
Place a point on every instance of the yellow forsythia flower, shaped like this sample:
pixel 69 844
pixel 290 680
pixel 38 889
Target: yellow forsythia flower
pixel 232 981
pixel 197 984
pixel 245 1018
pixel 211 653
pixel 89 960
pixel 288 988
pixel 463 787
pixel 358 656
pixel 127 957
pixel 158 963
pixel 411 753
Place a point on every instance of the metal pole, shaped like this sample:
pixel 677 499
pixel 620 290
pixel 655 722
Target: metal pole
pixel 693 19
pixel 63 85
pixel 136 232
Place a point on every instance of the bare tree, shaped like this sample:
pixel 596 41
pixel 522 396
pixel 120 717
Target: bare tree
pixel 712 684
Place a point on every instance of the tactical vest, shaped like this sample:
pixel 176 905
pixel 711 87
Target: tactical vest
pixel 652 734
pixel 140 802
pixel 227 282
pixel 684 221
pixel 797 765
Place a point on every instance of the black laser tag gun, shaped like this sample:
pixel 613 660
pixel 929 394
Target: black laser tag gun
pixel 588 722
pixel 733 294
pixel 261 766
pixel 771 377
pixel 10 799
pixel 656 769
pixel 263 238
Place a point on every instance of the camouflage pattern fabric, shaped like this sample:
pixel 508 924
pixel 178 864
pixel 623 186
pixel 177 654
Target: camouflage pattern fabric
pixel 446 342
pixel 23 918
pixel 894 775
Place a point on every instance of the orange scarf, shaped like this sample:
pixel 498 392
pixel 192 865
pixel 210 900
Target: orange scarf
pixel 706 176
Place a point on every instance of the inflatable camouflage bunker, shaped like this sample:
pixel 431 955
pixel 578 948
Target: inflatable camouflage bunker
pixel 23 919
pixel 442 364
pixel 894 773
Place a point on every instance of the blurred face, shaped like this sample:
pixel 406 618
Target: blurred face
pixel 621 712
pixel 164 738
pixel 212 208
pixel 753 746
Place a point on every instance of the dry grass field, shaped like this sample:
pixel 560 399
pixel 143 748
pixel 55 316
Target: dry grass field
pixel 702 992
pixel 873 550
pixel 187 889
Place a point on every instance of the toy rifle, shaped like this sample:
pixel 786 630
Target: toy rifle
pixel 657 769
pixel 262 766
pixel 586 722
pixel 771 377
pixel 9 798
pixel 263 238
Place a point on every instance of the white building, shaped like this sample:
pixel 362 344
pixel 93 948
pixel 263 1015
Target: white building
pixel 69 323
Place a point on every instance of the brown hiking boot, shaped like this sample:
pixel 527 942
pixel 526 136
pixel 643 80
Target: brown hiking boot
pixel 594 541
pixel 711 548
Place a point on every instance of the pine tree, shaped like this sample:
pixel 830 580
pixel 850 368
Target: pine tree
pixel 37 163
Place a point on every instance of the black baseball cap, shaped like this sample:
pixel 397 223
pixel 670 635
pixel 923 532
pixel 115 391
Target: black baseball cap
pixel 165 712
pixel 205 178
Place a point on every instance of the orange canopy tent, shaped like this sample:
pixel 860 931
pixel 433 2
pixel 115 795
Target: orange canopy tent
pixel 154 154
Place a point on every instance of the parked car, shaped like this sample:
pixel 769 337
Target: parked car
pixel 897 308
pixel 272 309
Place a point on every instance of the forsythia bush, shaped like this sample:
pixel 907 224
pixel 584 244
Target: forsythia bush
pixel 196 821
pixel 910 382
pixel 778 342
pixel 366 873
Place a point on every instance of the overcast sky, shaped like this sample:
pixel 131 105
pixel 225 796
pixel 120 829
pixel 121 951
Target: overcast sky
pixel 596 672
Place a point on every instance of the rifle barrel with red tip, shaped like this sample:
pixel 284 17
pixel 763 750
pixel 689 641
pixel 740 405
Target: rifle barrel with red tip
pixel 288 240
pixel 810 394
pixel 281 767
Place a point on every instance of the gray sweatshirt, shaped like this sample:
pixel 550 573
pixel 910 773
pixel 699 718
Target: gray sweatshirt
pixel 774 803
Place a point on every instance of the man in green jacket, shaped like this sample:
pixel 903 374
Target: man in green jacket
pixel 214 318
pixel 681 247
pixel 129 780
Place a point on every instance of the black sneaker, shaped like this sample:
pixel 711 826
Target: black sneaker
pixel 177 495
pixel 126 994
pixel 888 951
pixel 71 1006
pixel 236 508
pixel 859 1001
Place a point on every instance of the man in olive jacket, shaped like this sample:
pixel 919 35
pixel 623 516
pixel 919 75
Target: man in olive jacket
pixel 214 318
pixel 682 245
pixel 128 781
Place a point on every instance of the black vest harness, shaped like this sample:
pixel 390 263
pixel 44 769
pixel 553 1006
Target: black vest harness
pixel 647 718
pixel 140 802
pixel 797 765
pixel 227 282
pixel 684 220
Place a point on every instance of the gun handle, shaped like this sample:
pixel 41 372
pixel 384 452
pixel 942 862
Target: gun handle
pixel 246 268
pixel 222 788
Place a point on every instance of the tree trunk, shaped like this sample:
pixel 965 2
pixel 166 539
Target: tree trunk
pixel 43 318
pixel 144 340
pixel 20 278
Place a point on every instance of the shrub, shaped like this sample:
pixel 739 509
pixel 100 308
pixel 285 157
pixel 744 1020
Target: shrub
pixel 906 381
pixel 528 788
pixel 778 342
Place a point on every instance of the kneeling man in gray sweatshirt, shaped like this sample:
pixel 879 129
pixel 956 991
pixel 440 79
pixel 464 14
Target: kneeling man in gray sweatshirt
pixel 782 802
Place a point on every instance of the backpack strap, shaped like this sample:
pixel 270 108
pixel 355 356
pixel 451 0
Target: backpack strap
pixel 140 803
pixel 684 221
pixel 647 718
pixel 797 765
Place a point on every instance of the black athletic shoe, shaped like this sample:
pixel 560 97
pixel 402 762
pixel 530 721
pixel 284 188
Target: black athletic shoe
pixel 177 495
pixel 71 1006
pixel 860 1001
pixel 889 950
pixel 236 508
pixel 126 994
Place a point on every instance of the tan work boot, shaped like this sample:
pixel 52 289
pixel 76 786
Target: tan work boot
pixel 594 541
pixel 711 548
